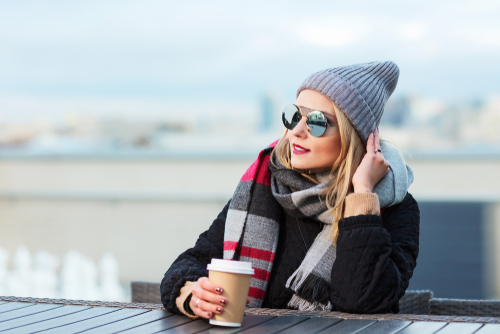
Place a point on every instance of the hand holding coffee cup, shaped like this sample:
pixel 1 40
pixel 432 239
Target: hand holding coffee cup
pixel 207 299
pixel 233 277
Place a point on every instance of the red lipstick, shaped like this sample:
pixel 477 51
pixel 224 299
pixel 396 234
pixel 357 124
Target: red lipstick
pixel 297 149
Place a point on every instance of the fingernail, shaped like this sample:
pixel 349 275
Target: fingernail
pixel 219 290
pixel 219 309
pixel 223 301
pixel 209 314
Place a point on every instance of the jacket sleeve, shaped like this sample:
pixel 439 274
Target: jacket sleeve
pixel 375 259
pixel 192 264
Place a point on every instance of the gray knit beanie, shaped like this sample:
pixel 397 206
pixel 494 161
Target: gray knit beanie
pixel 360 91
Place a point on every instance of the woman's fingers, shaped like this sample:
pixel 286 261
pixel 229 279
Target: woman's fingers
pixel 370 148
pixel 207 299
pixel 373 166
pixel 209 286
pixel 376 141
pixel 206 309
pixel 210 292
pixel 212 297
pixel 195 304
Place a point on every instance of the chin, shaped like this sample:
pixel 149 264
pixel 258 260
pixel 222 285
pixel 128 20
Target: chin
pixel 298 165
pixel 305 166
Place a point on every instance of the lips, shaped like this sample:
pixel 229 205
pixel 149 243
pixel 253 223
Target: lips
pixel 297 149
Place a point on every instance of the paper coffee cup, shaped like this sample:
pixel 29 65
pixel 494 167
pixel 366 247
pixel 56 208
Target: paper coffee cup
pixel 234 279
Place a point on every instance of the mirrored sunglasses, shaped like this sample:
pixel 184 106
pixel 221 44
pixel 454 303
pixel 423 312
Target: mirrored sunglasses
pixel 316 120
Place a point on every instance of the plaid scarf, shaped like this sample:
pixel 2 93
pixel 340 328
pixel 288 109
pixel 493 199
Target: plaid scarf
pixel 252 229
pixel 262 197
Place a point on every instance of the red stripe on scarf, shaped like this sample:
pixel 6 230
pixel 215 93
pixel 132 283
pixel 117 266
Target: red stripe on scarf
pixel 256 293
pixel 251 171
pixel 230 245
pixel 261 274
pixel 264 174
pixel 257 253
pixel 259 171
pixel 260 175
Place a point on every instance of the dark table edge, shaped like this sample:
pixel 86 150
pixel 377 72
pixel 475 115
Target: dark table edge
pixel 263 311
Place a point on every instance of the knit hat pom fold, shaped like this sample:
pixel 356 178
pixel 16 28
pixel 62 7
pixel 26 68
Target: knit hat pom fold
pixel 360 91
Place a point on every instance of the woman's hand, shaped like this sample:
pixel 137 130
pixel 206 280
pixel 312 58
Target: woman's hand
pixel 207 299
pixel 372 168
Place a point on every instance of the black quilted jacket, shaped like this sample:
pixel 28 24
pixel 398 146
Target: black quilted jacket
pixel 376 256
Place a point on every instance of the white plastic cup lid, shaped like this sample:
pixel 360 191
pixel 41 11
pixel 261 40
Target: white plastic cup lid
pixel 229 266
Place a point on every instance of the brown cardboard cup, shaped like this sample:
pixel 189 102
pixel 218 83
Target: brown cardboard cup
pixel 234 279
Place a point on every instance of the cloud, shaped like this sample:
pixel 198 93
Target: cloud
pixel 334 32
pixel 484 36
pixel 230 50
pixel 412 31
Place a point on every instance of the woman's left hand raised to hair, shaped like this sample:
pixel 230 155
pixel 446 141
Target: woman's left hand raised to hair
pixel 372 168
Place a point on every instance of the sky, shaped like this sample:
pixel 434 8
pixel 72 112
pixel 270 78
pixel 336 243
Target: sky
pixel 163 59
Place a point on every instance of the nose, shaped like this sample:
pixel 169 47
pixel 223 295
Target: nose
pixel 301 129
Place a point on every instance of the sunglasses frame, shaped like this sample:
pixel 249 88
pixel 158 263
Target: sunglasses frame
pixel 309 111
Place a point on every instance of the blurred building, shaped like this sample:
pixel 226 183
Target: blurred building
pixel 268 113
pixel 145 190
pixel 147 209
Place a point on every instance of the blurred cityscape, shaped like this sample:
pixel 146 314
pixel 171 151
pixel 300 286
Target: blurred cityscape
pixel 413 122
pixel 130 188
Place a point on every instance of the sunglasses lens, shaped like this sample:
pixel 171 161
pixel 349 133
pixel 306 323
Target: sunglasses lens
pixel 317 123
pixel 290 116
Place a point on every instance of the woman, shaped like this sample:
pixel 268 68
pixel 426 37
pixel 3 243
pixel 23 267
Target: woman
pixel 307 213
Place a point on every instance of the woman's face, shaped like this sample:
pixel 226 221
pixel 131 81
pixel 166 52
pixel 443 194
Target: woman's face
pixel 317 154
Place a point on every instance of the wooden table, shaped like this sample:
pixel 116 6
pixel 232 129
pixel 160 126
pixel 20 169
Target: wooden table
pixel 30 315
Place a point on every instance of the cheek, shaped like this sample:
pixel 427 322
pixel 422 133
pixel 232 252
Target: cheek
pixel 329 150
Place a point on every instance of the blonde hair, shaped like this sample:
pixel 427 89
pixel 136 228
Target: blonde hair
pixel 352 151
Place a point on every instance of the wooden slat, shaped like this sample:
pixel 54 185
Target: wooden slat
pixel 160 325
pixel 459 328
pixel 189 328
pixel 312 325
pixel 275 325
pixel 102 320
pixel 249 321
pixel 64 320
pixel 54 313
pixel 13 306
pixel 489 329
pixel 423 327
pixel 22 312
pixel 386 327
pixel 349 326
pixel 132 322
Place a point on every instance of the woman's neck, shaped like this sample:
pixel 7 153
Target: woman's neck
pixel 323 177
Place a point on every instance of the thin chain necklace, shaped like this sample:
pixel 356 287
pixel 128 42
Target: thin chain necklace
pixel 304 240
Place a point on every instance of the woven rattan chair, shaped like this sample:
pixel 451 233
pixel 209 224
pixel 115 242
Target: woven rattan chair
pixel 146 292
pixel 465 307
pixel 415 302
